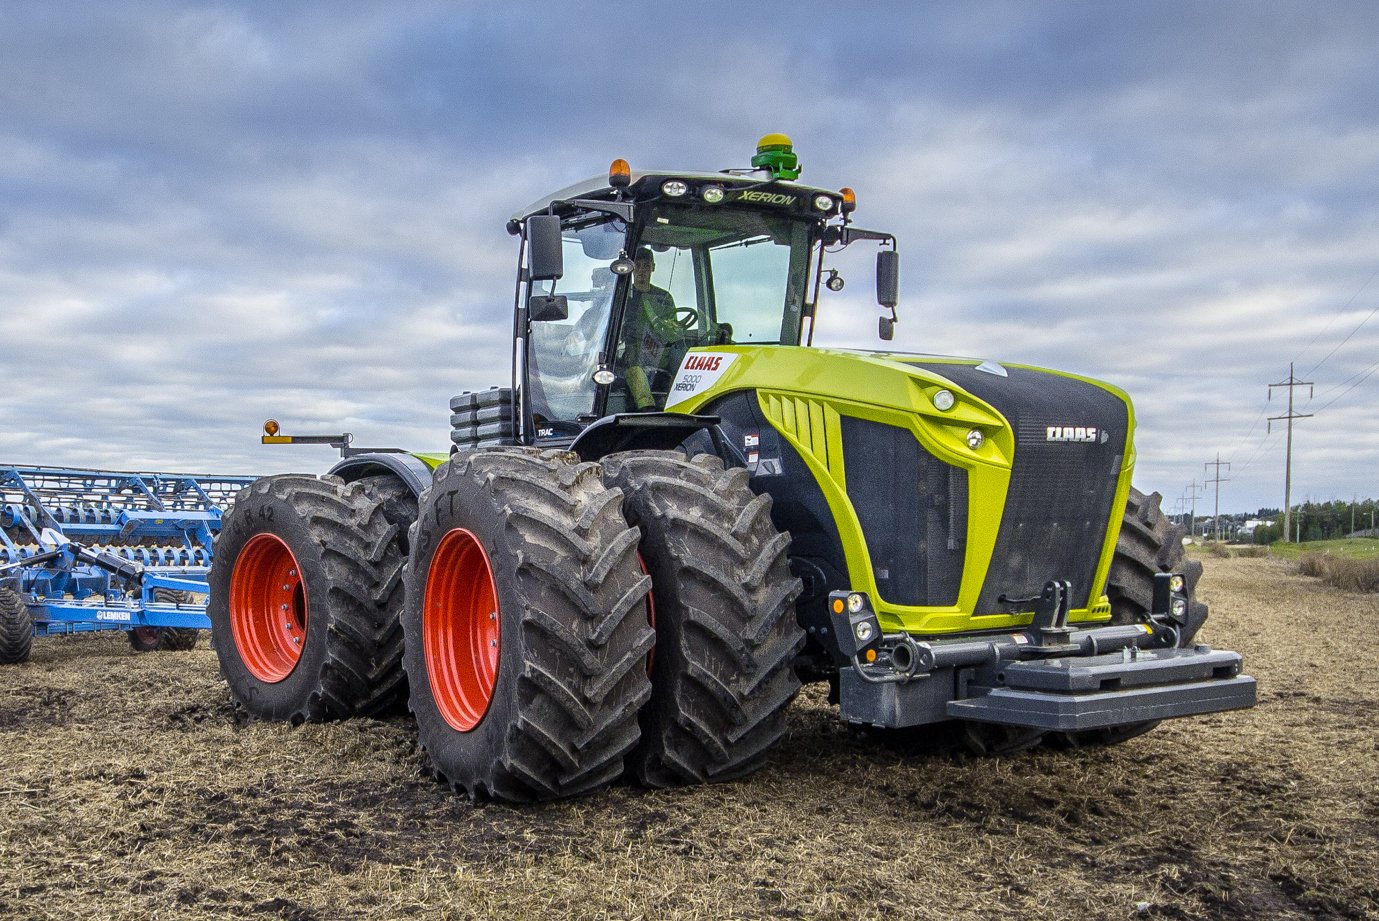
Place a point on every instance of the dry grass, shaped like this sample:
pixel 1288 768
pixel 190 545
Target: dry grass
pixel 131 791
pixel 1351 575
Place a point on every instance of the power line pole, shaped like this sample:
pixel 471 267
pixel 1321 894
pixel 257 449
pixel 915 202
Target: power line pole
pixel 1191 496
pixel 1216 515
pixel 1291 383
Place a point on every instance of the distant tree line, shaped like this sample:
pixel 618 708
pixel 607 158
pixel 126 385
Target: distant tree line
pixel 1320 521
pixel 1313 520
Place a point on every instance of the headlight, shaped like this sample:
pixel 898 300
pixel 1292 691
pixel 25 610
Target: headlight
pixel 975 439
pixel 1176 585
pixel 823 202
pixel 712 194
pixel 674 188
pixel 855 602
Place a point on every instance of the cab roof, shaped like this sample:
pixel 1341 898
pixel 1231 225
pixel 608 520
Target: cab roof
pixel 597 187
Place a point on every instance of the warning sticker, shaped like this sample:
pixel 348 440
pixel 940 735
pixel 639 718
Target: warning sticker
pixel 698 372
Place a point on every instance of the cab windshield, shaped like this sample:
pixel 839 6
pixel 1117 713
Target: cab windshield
pixel 703 276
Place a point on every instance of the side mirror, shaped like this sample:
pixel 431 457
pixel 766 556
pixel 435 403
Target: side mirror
pixel 545 261
pixel 543 308
pixel 885 328
pixel 888 278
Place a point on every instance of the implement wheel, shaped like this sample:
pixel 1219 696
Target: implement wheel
pixel 304 569
pixel 526 626
pixel 726 635
pixel 161 639
pixel 16 628
pixel 1149 544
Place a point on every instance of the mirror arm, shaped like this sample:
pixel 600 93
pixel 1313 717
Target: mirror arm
pixel 619 209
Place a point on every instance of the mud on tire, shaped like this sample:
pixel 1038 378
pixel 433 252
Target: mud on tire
pixel 723 602
pixel 16 628
pixel 526 626
pixel 399 506
pixel 297 602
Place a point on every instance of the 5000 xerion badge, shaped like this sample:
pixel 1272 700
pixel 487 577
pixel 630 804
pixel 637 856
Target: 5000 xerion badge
pixel 698 372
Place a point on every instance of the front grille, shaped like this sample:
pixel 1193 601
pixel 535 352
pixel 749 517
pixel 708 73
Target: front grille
pixel 1061 492
pixel 913 511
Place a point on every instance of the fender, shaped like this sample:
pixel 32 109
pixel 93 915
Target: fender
pixel 639 432
pixel 411 470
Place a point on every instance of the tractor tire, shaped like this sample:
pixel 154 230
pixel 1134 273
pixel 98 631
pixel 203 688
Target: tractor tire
pixel 164 639
pixel 296 618
pixel 526 626
pixel 1149 544
pixel 723 598
pixel 16 628
pixel 399 506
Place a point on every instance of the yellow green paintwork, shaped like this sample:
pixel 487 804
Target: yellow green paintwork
pixel 432 460
pixel 804 391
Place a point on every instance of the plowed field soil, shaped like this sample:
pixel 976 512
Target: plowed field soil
pixel 130 789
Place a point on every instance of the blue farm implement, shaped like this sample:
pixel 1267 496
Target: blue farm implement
pixel 86 550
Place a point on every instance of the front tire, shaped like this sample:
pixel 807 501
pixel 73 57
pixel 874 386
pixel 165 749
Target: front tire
pixel 294 598
pixel 726 635
pixel 526 626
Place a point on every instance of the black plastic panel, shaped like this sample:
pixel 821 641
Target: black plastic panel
pixel 913 511
pixel 1061 490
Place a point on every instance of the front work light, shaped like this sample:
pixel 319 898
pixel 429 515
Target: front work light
pixel 712 194
pixel 674 188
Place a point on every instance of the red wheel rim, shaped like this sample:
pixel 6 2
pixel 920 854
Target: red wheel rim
pixel 268 608
pixel 460 630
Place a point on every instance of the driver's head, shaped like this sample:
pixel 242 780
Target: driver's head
pixel 643 264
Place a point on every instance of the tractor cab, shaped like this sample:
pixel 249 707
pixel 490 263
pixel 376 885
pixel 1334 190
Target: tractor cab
pixel 622 275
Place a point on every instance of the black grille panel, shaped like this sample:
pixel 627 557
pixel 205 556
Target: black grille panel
pixel 913 510
pixel 1061 491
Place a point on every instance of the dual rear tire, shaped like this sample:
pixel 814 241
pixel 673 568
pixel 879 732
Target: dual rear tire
pixel 526 626
pixel 303 600
pixel 523 619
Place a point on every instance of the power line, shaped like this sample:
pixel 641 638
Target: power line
pixel 1362 375
pixel 1362 287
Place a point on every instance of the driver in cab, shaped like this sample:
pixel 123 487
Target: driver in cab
pixel 649 332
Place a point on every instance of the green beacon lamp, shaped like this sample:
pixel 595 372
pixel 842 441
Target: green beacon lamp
pixel 776 153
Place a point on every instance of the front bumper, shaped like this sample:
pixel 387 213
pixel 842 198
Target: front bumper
pixel 1136 685
pixel 1052 677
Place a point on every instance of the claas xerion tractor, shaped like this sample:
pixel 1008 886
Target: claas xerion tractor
pixel 680 509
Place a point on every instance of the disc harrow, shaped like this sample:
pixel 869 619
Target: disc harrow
pixel 93 550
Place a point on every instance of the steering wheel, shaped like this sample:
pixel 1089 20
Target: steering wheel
pixel 686 317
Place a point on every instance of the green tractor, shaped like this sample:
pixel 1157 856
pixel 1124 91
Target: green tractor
pixel 679 510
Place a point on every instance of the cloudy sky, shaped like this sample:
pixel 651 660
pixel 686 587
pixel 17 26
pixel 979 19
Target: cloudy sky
pixel 211 214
